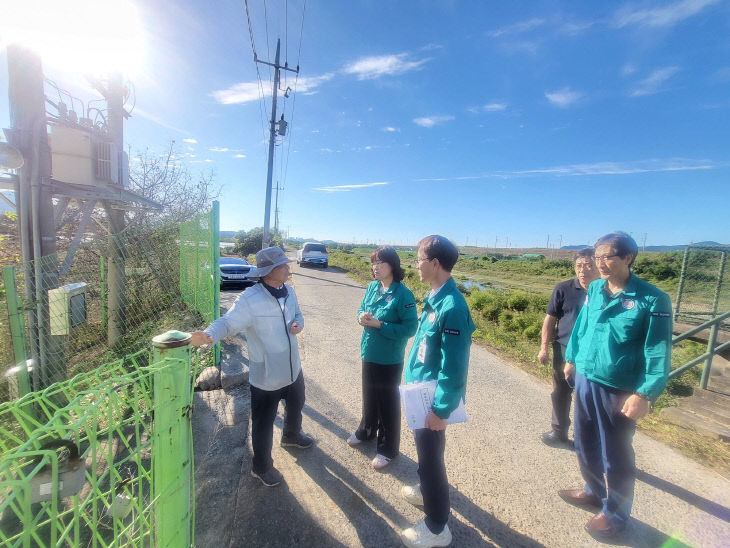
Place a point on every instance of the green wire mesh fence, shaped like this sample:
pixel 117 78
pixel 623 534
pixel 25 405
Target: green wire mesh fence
pixel 127 478
pixel 104 300
pixel 200 266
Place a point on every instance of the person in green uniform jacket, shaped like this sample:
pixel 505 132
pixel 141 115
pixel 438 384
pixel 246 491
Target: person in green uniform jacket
pixel 620 354
pixel 440 352
pixel 389 317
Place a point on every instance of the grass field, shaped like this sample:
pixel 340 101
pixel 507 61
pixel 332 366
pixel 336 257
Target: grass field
pixel 508 306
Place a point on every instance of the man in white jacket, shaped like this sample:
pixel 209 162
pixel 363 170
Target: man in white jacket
pixel 268 313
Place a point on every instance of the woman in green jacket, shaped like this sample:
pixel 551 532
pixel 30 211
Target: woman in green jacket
pixel 389 317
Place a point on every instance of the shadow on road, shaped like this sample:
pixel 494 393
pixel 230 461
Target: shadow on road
pixel 706 505
pixel 404 469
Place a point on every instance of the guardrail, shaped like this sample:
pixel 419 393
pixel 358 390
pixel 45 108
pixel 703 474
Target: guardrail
pixel 712 348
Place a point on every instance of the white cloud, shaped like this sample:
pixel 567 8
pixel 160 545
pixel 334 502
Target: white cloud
pixel 191 141
pixel 239 155
pixel 219 149
pixel 628 69
pixel 517 28
pixel 159 121
pixel 575 27
pixel 369 68
pixel 495 107
pixel 563 98
pixel 242 92
pixel 430 121
pixel 391 129
pixel 653 165
pixel 664 16
pixel 652 84
pixel 208 161
pixel 325 149
pixel 348 188
pixel 245 92
pixel 308 85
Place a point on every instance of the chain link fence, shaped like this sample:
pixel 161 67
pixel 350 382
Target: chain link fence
pixel 108 297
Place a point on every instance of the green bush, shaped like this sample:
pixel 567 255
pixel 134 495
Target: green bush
pixel 479 299
pixel 518 301
pixel 532 332
pixel 491 311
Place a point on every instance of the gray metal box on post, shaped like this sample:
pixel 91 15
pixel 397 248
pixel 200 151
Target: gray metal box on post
pixel 67 306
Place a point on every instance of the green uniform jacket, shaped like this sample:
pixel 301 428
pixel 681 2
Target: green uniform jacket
pixel 440 350
pixel 396 308
pixel 625 340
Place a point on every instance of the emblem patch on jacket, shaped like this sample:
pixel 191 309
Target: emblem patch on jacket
pixel 628 304
pixel 661 314
pixel 410 305
pixel 389 298
pixel 452 331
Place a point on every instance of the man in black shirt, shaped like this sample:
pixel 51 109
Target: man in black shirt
pixel 562 311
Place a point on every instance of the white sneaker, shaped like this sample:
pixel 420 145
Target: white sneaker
pixel 419 536
pixel 380 462
pixel 352 440
pixel 412 493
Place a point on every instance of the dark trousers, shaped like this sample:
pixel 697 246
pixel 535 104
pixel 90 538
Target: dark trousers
pixel 562 393
pixel 264 404
pixel 603 443
pixel 430 446
pixel 381 406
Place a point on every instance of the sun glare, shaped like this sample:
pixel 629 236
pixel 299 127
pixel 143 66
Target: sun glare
pixel 95 37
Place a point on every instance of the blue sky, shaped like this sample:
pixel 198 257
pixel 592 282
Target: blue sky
pixel 478 120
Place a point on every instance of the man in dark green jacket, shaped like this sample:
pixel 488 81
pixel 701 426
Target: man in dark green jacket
pixel 440 352
pixel 619 352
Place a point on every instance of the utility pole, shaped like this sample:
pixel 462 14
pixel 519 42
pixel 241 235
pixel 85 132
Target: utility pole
pixel 272 137
pixel 35 208
pixel 117 305
pixel 643 247
pixel 276 208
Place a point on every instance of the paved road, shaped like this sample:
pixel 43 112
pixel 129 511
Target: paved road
pixel 503 479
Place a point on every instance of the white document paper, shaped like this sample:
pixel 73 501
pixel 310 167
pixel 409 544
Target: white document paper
pixel 417 400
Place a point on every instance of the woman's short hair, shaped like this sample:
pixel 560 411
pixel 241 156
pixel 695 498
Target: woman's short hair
pixel 621 244
pixel 387 254
pixel 438 247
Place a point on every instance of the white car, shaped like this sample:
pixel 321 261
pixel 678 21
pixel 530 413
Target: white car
pixel 313 253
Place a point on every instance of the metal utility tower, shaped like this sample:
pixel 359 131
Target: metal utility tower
pixel 272 136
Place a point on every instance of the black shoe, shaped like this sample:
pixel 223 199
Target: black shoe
pixel 302 441
pixel 270 478
pixel 556 439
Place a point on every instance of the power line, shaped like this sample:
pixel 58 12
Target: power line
pixel 294 101
pixel 262 94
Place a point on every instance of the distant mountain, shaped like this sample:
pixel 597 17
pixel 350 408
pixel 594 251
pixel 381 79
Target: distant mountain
pixel 228 233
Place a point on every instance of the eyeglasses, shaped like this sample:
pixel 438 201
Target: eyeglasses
pixel 605 258
pixel 418 262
